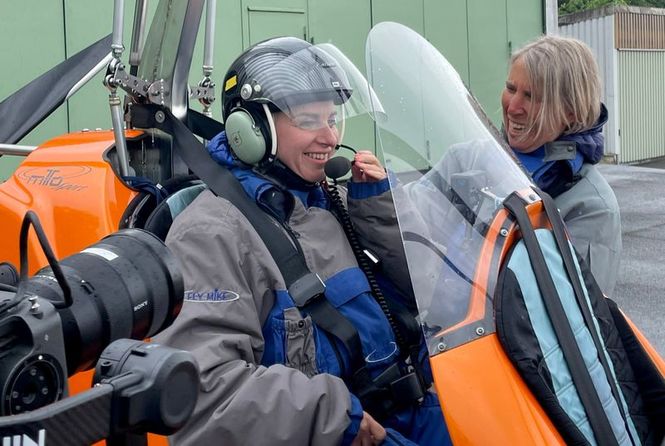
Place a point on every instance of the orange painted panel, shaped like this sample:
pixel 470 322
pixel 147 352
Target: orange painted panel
pixel 72 189
pixel 653 354
pixel 484 399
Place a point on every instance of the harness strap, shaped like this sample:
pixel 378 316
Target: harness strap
pixel 598 419
pixel 203 125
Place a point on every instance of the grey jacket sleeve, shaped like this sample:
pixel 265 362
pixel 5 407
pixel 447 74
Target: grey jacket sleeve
pixel 229 296
pixel 591 213
pixel 375 221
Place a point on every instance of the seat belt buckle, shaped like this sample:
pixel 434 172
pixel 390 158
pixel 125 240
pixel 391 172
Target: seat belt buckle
pixel 303 290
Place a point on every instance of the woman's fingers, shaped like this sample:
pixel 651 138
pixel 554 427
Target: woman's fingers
pixel 367 168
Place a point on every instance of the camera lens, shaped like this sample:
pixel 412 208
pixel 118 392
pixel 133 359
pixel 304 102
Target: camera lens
pixel 128 285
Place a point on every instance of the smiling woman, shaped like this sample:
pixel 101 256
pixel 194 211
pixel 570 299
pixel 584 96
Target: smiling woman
pixel 524 121
pixel 316 360
pixel 553 119
pixel 307 139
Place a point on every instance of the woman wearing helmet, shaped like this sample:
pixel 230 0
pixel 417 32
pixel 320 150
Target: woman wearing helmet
pixel 270 374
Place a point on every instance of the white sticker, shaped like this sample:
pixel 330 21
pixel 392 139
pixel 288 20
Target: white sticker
pixel 108 255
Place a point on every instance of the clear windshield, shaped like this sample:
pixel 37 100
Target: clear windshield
pixel 451 176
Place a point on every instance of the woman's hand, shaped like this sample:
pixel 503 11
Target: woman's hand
pixel 367 168
pixel 371 433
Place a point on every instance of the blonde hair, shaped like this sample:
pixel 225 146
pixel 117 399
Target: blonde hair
pixel 564 77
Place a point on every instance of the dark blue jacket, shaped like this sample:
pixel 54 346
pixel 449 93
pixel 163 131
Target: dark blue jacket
pixel 554 166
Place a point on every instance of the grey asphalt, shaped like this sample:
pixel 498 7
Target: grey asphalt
pixel 640 290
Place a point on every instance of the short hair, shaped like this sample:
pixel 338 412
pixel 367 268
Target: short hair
pixel 564 77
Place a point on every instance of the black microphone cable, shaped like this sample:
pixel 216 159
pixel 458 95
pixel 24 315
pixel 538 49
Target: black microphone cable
pixel 362 258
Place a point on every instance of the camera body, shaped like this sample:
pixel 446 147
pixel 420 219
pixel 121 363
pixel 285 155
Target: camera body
pixel 32 347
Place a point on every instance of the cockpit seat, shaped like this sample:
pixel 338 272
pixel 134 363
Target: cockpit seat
pixel 160 220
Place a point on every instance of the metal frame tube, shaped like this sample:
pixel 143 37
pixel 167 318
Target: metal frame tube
pixel 85 79
pixel 16 150
pixel 119 133
pixel 180 87
pixel 136 49
pixel 208 47
pixel 118 21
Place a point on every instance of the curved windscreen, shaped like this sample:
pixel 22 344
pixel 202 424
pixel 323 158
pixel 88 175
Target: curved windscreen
pixel 451 175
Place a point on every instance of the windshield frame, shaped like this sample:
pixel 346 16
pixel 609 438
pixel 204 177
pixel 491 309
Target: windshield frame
pixel 168 51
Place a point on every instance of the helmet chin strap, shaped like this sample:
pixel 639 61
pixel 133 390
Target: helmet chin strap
pixel 273 134
pixel 342 127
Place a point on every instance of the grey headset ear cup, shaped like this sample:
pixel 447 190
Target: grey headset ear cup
pixel 245 137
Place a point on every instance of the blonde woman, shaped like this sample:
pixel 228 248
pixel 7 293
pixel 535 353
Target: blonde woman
pixel 553 119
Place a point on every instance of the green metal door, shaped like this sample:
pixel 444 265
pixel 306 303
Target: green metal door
pixel 409 13
pixel 488 53
pixel 346 24
pixel 264 19
pixel 447 29
pixel 526 21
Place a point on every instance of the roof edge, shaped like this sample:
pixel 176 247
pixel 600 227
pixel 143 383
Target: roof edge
pixel 604 11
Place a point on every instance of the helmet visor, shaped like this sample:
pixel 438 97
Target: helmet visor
pixel 319 73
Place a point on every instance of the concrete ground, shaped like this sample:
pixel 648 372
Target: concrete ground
pixel 640 290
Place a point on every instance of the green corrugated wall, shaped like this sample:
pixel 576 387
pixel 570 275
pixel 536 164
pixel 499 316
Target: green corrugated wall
pixel 475 35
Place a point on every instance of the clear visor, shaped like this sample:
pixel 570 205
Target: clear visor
pixel 316 87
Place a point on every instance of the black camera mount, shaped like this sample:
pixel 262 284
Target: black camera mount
pixel 140 387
